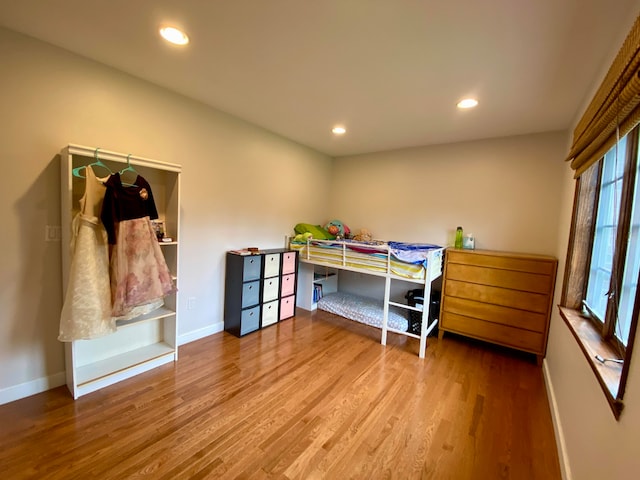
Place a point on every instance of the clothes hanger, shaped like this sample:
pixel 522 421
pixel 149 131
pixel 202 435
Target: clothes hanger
pixel 128 168
pixel 96 163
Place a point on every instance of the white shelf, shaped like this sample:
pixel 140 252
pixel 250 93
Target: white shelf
pixel 321 278
pixel 144 342
pixel 157 314
pixel 120 363
pixel 307 277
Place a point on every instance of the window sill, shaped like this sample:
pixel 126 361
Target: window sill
pixel 591 344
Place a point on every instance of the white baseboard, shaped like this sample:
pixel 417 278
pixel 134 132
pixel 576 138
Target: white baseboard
pixel 23 390
pixel 565 468
pixel 200 333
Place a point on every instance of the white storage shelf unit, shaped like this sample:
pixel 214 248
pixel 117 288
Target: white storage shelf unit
pixel 144 342
pixel 308 277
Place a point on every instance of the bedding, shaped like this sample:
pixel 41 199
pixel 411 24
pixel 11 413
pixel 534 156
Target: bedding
pixel 363 309
pixel 401 259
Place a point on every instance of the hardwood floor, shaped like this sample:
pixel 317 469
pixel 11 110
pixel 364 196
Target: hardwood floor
pixel 316 396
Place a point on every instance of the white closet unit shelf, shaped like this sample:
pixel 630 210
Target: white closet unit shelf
pixel 327 280
pixel 123 365
pixel 145 342
pixel 161 312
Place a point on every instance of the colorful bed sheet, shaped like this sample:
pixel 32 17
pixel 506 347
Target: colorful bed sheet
pixel 406 260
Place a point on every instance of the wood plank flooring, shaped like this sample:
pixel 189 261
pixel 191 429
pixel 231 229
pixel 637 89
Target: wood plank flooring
pixel 313 397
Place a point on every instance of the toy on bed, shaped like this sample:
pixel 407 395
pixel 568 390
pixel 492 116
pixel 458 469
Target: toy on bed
pixel 302 237
pixel 312 231
pixel 337 228
pixel 332 230
pixel 363 236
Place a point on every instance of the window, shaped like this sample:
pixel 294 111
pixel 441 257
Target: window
pixel 606 226
pixel 602 286
pixel 600 298
pixel 605 288
pixel 629 293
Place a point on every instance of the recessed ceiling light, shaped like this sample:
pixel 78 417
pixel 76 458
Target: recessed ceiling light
pixel 339 130
pixel 467 103
pixel 173 35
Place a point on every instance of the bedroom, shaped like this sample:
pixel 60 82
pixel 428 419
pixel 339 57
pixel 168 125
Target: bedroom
pixel 513 192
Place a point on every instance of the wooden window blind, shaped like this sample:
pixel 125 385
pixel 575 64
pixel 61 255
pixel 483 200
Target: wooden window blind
pixel 613 111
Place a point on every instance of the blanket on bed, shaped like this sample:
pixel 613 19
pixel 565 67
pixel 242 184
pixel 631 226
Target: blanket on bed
pixel 364 310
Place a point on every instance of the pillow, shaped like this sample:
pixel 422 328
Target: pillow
pixel 316 231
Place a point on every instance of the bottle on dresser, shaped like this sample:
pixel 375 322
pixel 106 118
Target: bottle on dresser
pixel 459 235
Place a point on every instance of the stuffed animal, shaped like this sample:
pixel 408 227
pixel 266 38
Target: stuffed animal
pixel 302 237
pixel 337 228
pixel 363 236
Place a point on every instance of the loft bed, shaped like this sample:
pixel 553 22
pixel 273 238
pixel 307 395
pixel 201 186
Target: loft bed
pixel 408 262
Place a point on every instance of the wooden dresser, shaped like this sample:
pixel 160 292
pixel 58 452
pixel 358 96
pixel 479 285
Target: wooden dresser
pixel 499 297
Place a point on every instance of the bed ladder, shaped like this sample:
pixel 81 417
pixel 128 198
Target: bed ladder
pixel 425 327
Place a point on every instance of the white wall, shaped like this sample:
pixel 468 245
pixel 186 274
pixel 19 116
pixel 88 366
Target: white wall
pixel 593 444
pixel 505 191
pixel 240 187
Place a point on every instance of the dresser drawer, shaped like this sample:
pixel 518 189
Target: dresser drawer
pixel 503 260
pixel 288 262
pixel 517 280
pixel 288 285
pixel 272 265
pixel 493 332
pixel 270 289
pixel 512 317
pixel 269 313
pixel 534 302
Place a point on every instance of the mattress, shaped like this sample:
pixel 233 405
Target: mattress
pixel 400 259
pixel 364 310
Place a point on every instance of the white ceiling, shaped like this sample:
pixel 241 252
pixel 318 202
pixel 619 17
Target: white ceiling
pixel 390 71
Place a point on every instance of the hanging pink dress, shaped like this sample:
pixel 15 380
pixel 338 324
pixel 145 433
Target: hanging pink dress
pixel 140 278
pixel 86 312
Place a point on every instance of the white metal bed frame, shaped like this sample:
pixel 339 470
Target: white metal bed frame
pixel 433 271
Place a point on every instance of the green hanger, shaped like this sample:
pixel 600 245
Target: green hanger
pixel 96 163
pixel 128 168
